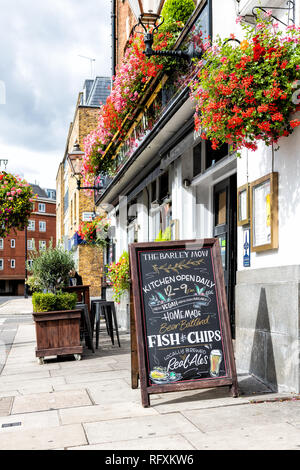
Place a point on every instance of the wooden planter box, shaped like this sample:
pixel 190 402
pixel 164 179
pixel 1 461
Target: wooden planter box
pixel 58 333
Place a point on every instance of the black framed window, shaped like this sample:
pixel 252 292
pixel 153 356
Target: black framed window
pixel 214 156
pixel 163 185
pixel 197 157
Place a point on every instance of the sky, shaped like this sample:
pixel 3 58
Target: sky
pixel 41 74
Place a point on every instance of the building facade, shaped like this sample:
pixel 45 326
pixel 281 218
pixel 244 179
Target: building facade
pixel 173 179
pixel 72 205
pixel 20 245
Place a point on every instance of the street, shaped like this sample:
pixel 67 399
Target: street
pixel 89 404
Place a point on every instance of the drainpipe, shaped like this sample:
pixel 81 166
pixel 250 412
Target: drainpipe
pixel 113 37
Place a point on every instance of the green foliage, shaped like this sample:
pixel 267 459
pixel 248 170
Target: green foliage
pixel 177 10
pixel 16 199
pixel 47 302
pixel 50 269
pixel 164 236
pixel 118 275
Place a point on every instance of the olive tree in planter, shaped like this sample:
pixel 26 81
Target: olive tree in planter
pixel 57 322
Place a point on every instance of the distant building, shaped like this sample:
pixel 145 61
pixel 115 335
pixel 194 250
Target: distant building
pixel 41 230
pixel 72 205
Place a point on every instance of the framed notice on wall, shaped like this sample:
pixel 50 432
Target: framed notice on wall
pixel 181 318
pixel 243 204
pixel 264 213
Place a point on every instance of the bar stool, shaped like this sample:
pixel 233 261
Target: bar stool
pixel 107 310
pixel 87 330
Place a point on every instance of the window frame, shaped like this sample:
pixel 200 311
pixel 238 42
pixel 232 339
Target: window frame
pixel 42 222
pixel 44 207
pixel 31 222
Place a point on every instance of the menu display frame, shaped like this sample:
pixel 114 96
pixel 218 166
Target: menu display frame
pixel 142 321
pixel 243 205
pixel 264 213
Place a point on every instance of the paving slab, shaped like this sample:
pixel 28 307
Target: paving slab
pixel 114 395
pixel 172 442
pixel 83 371
pixel 96 376
pixel 19 422
pixel 44 439
pixel 241 417
pixel 136 428
pixel 281 436
pixel 40 374
pixel 13 368
pixel 88 414
pixel 105 386
pixel 5 405
pixel 33 386
pixel 50 401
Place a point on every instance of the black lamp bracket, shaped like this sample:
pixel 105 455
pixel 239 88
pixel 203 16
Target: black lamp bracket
pixel 92 188
pixel 190 54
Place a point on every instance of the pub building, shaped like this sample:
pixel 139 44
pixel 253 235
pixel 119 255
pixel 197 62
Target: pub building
pixel 174 180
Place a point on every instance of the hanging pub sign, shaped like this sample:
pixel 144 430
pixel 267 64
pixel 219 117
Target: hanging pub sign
pixel 183 338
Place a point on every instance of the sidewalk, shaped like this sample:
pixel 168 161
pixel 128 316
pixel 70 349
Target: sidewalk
pixel 89 404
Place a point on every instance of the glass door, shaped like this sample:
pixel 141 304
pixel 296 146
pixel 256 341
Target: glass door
pixel 225 229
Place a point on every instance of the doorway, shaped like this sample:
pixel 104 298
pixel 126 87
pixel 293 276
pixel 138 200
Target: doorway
pixel 225 229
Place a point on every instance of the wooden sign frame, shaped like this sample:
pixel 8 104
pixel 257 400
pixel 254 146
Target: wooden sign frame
pixel 242 190
pixel 140 369
pixel 272 180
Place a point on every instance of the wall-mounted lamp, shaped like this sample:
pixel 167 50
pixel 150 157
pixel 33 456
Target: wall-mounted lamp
pixel 75 160
pixel 186 183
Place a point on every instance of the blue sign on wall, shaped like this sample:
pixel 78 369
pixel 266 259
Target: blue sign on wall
pixel 246 248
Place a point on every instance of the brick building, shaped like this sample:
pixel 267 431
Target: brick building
pixel 72 205
pixel 13 250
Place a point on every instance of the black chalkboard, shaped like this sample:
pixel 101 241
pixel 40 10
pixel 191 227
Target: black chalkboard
pixel 181 316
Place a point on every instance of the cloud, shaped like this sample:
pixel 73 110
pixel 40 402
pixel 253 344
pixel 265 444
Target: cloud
pixel 40 44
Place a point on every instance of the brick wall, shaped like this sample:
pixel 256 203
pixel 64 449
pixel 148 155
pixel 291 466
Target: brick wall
pixel 88 259
pixel 124 23
pixel 90 268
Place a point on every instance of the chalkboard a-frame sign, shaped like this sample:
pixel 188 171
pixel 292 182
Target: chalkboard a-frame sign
pixel 181 324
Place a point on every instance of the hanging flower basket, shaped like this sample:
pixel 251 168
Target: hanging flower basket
pixel 16 199
pixel 247 92
pixel 118 276
pixel 94 233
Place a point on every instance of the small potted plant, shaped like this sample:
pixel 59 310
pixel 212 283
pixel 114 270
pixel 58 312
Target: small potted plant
pixel 57 322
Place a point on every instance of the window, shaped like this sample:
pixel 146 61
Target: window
pixel 13 243
pixel 42 226
pixel 29 263
pixel 30 244
pixel 1 243
pixel 153 191
pixel 214 156
pixel 42 207
pixel 1 265
pixel 13 263
pixel 31 225
pixel 197 157
pixel 42 245
pixel 164 186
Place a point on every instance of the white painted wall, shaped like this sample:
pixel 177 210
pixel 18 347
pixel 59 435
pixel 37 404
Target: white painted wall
pixel 287 164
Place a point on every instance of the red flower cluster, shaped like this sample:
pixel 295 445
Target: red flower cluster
pixel 245 94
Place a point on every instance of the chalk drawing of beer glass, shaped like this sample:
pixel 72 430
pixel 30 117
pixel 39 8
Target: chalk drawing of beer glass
pixel 215 362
